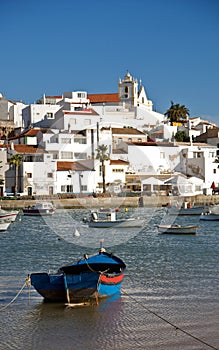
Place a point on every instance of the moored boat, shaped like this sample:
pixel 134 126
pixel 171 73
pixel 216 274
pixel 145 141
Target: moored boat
pixel 186 209
pixel 8 214
pixel 92 277
pixel 209 216
pixel 108 218
pixel 4 224
pixel 178 229
pixel 43 208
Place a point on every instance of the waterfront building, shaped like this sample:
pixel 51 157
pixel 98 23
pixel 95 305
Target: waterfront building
pixel 36 174
pixel 192 160
pixel 63 132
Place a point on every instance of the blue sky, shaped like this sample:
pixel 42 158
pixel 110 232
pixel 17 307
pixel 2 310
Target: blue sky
pixel 51 47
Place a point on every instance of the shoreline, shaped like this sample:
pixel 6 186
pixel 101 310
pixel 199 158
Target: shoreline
pixel 109 202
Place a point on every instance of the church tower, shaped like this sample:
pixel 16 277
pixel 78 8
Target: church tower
pixel 128 90
pixel 131 95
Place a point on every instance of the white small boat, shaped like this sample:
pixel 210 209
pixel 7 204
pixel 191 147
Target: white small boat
pixel 178 229
pixel 185 210
pixel 43 208
pixel 4 224
pixel 8 214
pixel 214 209
pixel 108 218
pixel 209 216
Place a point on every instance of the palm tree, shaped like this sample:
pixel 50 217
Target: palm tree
pixel 16 160
pixel 177 113
pixel 102 155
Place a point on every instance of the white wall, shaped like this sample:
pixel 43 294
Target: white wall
pixel 40 182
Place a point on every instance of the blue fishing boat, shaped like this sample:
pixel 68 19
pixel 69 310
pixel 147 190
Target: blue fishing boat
pixel 92 277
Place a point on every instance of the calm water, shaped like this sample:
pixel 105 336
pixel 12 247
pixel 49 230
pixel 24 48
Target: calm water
pixel 175 277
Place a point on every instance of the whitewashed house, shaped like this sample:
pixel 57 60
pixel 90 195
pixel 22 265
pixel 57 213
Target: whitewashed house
pixel 76 177
pixel 11 112
pixel 37 173
pixel 196 160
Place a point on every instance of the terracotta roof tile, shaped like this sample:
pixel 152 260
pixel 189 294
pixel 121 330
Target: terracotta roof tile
pixel 77 166
pixel 129 131
pixel 103 98
pixel 25 149
pixel 118 161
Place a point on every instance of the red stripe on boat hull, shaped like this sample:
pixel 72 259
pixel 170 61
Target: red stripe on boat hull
pixel 111 280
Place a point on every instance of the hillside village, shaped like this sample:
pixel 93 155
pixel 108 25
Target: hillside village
pixel 51 147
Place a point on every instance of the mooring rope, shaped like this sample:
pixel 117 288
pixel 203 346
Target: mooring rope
pixel 26 284
pixel 170 323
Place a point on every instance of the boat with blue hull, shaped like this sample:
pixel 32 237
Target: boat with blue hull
pixel 92 277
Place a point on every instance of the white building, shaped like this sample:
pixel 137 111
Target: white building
pixel 37 173
pixel 197 160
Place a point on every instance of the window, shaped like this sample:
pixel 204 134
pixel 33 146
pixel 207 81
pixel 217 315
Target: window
pixel 142 100
pixel 119 139
pixel 162 155
pixel 197 154
pixel 66 140
pixel 50 116
pixel 80 155
pixel 139 140
pixel 83 188
pixel 29 175
pixel 100 170
pixel 81 95
pixel 214 171
pixel 82 141
pixel 118 170
pixel 129 139
pixel 67 188
pixel 50 175
pixel 55 156
pixel 66 155
pixel 146 187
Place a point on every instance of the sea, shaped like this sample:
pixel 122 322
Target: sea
pixel 169 298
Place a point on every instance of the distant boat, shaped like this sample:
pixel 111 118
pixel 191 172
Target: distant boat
pixel 185 210
pixel 208 216
pixel 108 218
pixel 213 208
pixel 4 224
pixel 178 229
pixel 8 214
pixel 92 277
pixel 43 208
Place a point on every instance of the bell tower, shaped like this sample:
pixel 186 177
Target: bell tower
pixel 128 90
pixel 131 95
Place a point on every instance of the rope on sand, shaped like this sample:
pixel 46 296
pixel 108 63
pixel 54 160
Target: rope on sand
pixel 170 323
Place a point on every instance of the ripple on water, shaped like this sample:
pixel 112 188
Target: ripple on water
pixel 173 276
